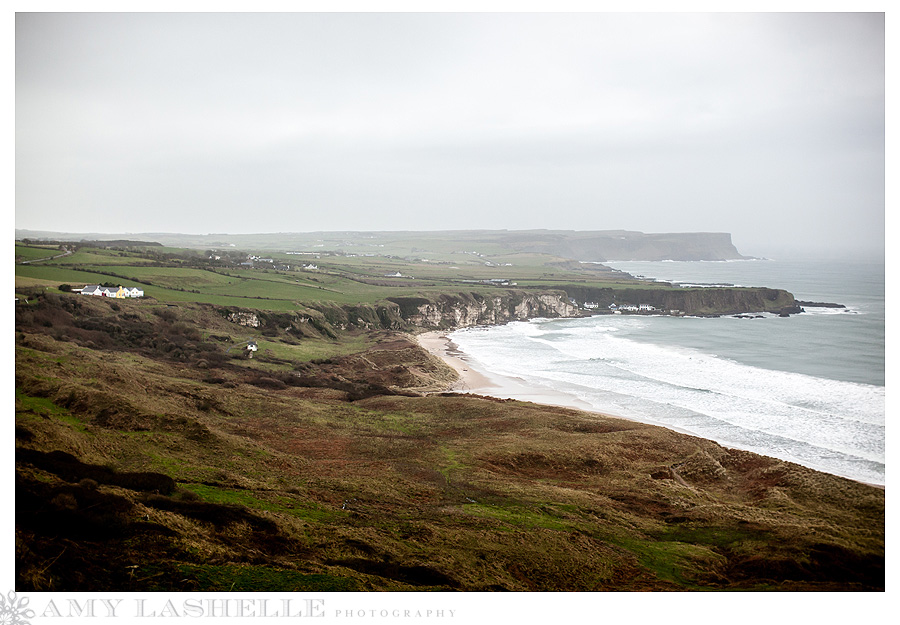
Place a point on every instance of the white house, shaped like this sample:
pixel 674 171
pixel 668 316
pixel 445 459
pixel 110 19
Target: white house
pixel 591 305
pixel 116 292
pixel 646 307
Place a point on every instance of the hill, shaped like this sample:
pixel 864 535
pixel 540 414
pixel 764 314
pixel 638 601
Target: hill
pixel 155 452
pixel 590 246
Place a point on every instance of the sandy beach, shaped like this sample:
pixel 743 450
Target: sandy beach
pixel 477 380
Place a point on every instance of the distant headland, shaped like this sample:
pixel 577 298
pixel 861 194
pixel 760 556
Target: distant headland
pixel 596 245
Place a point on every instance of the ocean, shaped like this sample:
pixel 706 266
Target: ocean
pixel 809 388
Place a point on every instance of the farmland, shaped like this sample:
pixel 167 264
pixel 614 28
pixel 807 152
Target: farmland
pixel 172 275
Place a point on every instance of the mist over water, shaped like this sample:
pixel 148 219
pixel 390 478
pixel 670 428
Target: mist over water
pixel 808 388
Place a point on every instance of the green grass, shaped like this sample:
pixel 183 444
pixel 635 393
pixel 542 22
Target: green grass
pixel 31 252
pixel 670 560
pixel 75 277
pixel 449 463
pixel 163 461
pixel 310 349
pixel 248 289
pixel 44 408
pixel 92 256
pixel 252 578
pixel 520 516
pixel 395 422
pixel 341 279
pixel 270 502
pixel 715 536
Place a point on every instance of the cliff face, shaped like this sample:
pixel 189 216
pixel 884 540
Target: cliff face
pixel 443 311
pixel 699 301
pixel 460 310
pixel 464 310
pixel 627 245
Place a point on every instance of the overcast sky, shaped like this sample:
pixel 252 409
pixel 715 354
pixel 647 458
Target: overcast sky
pixel 769 126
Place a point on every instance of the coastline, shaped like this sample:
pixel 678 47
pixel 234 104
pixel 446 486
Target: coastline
pixel 475 379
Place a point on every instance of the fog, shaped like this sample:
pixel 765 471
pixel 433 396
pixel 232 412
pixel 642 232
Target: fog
pixel 770 126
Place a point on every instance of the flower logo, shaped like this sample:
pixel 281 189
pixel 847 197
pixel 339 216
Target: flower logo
pixel 13 611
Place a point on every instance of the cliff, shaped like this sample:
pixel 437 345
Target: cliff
pixel 470 309
pixel 596 245
pixel 460 310
pixel 626 245
pixel 441 311
pixel 697 301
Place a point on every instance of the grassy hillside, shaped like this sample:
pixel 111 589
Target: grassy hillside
pixel 450 245
pixel 153 453
pixel 280 281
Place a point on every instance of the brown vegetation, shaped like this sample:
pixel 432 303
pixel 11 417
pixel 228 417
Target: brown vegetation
pixel 139 468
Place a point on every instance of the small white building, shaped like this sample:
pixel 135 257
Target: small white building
pixel 115 292
pixel 591 305
pixel 646 308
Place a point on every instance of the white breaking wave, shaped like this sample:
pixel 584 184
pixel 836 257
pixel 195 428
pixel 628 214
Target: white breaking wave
pixel 822 310
pixel 830 425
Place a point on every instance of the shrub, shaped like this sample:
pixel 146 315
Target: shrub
pixel 269 383
pixel 166 314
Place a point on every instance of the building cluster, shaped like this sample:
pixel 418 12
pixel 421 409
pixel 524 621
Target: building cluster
pixel 499 282
pixel 615 308
pixel 256 261
pixel 632 308
pixel 118 292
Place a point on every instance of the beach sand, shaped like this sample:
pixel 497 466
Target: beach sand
pixel 477 380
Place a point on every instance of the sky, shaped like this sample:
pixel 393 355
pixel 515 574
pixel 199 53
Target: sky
pixel 770 126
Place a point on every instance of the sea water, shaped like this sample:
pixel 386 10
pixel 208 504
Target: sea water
pixel 808 388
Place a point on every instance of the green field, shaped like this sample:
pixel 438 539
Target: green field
pixel 174 275
pixel 33 252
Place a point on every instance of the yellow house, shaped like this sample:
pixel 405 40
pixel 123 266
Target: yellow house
pixel 123 292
